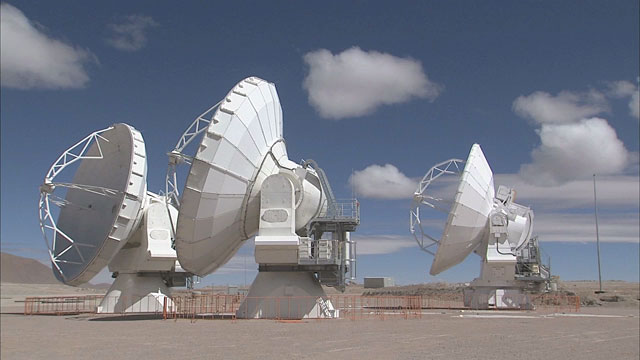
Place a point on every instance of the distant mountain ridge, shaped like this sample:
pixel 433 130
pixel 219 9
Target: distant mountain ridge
pixel 21 270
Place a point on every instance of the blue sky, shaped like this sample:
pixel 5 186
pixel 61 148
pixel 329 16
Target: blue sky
pixel 376 93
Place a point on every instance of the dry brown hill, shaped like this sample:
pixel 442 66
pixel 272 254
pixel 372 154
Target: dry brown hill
pixel 21 270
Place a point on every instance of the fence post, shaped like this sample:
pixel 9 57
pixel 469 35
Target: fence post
pixel 164 309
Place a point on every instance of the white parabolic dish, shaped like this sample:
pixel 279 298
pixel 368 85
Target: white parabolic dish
pixel 220 203
pixel 101 206
pixel 468 218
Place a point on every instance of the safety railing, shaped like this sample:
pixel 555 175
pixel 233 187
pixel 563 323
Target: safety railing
pixel 342 209
pixel 319 252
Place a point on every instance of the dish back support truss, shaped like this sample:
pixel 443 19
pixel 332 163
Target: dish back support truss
pixel 448 167
pixel 50 231
pixel 81 242
pixel 177 156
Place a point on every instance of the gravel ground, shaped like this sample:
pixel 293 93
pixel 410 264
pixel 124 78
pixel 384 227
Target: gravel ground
pixel 608 330
pixel 595 334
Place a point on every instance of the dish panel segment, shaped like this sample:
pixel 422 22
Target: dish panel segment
pixel 467 220
pixel 220 204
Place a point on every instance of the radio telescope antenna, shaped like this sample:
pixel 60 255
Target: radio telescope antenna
pixel 479 220
pixel 87 221
pixel 242 183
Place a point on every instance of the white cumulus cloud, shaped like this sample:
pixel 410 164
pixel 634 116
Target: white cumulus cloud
pixel 130 33
pixel 623 89
pixel 383 182
pixel 564 212
pixel 566 107
pixel 573 143
pixel 575 150
pixel 355 82
pixel 567 227
pixel 614 191
pixel 32 59
pixel 383 244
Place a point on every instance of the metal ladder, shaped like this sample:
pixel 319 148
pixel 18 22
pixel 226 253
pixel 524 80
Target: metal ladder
pixel 325 308
pixel 324 182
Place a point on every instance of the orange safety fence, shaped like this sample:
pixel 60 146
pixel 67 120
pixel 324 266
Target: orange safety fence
pixel 556 303
pixel 61 305
pixel 349 306
pixel 358 307
pixel 516 301
pixel 192 306
pixel 221 306
pixel 353 307
pixel 66 305
pixel 445 301
pixel 149 304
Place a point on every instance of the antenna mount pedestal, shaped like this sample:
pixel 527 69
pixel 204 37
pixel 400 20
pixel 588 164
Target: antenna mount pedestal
pixel 146 267
pixel 292 267
pixel 497 286
pixel 286 295
pixel 135 293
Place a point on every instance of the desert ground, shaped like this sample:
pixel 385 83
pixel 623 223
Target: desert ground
pixel 606 327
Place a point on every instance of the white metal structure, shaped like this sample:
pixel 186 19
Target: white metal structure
pixel 241 146
pixel 105 216
pixel 241 182
pixel 479 220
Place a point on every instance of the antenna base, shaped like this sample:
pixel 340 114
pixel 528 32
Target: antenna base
pixel 133 293
pixel 496 297
pixel 286 295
